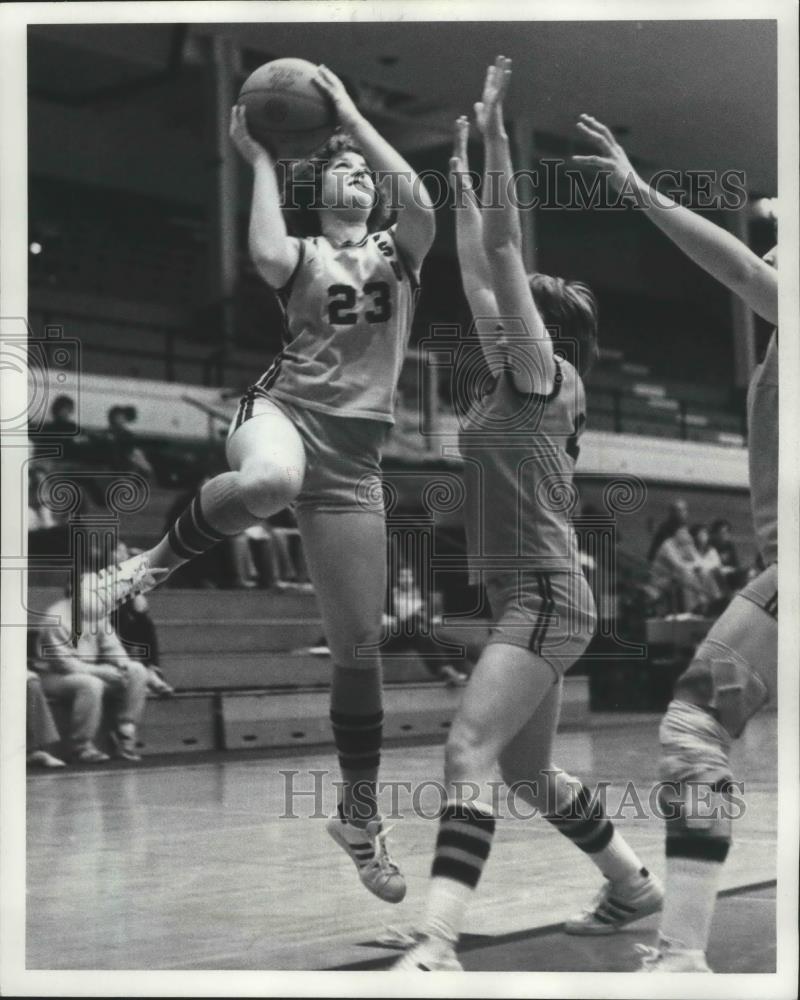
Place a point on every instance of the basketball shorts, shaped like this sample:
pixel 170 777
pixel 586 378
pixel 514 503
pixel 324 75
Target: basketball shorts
pixel 551 614
pixel 343 455
pixel 763 590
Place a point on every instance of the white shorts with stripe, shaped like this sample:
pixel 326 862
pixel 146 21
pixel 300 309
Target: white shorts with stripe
pixel 551 614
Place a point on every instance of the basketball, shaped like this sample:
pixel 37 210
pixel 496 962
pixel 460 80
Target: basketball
pixel 285 111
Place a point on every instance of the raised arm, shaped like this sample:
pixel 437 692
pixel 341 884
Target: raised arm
pixel 273 251
pixel 724 256
pixel 476 276
pixel 416 224
pixel 502 241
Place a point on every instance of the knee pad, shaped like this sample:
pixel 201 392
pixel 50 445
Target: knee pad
pixel 694 796
pixel 724 681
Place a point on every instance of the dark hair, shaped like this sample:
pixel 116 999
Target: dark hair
pixel 61 401
pixel 128 413
pixel 695 530
pixel 721 522
pixel 569 310
pixel 304 201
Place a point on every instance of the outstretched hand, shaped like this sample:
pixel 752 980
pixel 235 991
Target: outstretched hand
pixel 241 138
pixel 612 158
pixel 489 110
pixel 459 162
pixel 329 84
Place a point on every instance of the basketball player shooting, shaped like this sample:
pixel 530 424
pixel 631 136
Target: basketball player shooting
pixel 543 611
pixel 734 671
pixel 310 431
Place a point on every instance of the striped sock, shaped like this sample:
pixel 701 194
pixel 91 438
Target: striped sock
pixel 585 823
pixel 213 515
pixel 462 847
pixel 358 740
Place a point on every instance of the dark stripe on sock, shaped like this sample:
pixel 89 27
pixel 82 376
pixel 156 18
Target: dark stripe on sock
pixel 177 545
pixel 201 521
pixel 356 721
pixel 459 871
pixel 698 848
pixel 358 740
pixel 465 842
pixel 585 821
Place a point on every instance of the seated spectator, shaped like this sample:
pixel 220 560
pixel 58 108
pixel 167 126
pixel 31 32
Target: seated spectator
pixel 722 541
pixel 87 671
pixel 122 453
pixel 41 729
pixel 137 632
pixel 709 557
pixel 681 579
pixel 677 517
pixel 62 418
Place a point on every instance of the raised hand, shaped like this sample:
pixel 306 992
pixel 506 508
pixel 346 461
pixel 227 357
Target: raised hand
pixel 241 138
pixel 489 110
pixel 612 158
pixel 328 83
pixel 459 163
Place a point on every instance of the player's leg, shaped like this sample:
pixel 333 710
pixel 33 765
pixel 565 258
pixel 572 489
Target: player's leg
pixel 505 688
pixel 630 891
pixel 267 460
pixel 733 673
pixel 346 555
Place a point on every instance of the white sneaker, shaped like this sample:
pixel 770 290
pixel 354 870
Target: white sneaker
pixel 368 852
pixel 104 591
pixel 431 954
pixel 670 956
pixel 618 904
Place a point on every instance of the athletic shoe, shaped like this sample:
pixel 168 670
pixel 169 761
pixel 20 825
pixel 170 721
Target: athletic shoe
pixel 368 852
pixel 104 591
pixel 41 758
pixel 618 904
pixel 431 954
pixel 124 745
pixel 671 957
pixel 89 754
pixel 395 937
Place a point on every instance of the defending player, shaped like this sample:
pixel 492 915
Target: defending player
pixel 734 670
pixel 520 444
pixel 310 431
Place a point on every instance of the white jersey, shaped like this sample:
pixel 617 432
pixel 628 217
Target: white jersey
pixel 348 320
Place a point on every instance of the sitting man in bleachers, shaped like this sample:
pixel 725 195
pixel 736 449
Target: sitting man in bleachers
pixel 87 671
pixel 41 731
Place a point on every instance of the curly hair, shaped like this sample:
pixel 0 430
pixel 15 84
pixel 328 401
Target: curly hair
pixel 302 200
pixel 569 310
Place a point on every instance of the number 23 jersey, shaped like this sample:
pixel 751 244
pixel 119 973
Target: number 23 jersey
pixel 348 320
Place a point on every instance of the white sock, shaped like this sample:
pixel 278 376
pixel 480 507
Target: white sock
pixel 617 860
pixel 447 903
pixel 690 900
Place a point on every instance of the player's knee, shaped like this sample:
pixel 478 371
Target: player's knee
pixel 465 753
pixel 720 679
pixel 694 794
pixel 89 686
pixel 267 488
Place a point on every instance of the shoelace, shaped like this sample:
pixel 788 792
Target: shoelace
pixel 395 937
pixel 650 955
pixel 382 858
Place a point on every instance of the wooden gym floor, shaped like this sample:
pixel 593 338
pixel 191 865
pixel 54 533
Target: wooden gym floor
pixel 190 866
